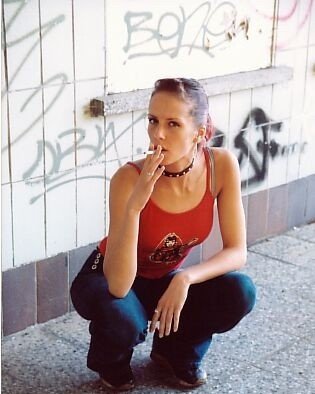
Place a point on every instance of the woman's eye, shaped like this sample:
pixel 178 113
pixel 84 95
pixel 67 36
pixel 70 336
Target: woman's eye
pixel 173 124
pixel 151 120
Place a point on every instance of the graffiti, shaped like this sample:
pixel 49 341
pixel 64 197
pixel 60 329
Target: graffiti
pixel 38 34
pixel 56 155
pixel 290 17
pixel 257 151
pixel 216 25
pixel 259 148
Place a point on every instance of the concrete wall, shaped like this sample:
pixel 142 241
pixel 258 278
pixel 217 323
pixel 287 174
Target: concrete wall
pixel 57 158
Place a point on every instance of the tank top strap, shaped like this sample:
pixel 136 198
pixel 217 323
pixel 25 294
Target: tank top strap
pixel 134 166
pixel 210 171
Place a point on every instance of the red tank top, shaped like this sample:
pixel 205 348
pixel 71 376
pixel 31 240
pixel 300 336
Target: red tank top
pixel 166 238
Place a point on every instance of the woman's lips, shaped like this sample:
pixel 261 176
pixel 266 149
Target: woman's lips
pixel 163 150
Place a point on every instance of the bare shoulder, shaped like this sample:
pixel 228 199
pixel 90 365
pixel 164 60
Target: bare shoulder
pixel 127 173
pixel 223 156
pixel 226 166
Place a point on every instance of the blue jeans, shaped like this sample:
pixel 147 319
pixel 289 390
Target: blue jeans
pixel 119 324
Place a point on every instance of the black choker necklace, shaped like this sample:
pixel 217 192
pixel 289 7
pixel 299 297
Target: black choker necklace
pixel 180 173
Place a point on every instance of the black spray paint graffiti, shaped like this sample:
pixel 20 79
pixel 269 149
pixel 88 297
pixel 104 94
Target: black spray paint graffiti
pixel 257 154
pixel 60 150
pixel 216 26
pixel 258 150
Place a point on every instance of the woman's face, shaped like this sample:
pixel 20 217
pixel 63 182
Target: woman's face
pixel 171 126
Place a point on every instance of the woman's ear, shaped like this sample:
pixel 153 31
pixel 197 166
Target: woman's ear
pixel 201 133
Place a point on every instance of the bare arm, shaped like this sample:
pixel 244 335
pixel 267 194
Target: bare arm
pixel 230 258
pixel 232 224
pixel 129 192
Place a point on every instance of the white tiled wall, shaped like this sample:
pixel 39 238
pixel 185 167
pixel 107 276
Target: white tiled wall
pixel 57 40
pixel 61 215
pixel 90 203
pixel 26 134
pixel 140 139
pixel 5 172
pixel 89 39
pixel 90 134
pixel 28 222
pixel 295 145
pixel 307 157
pixel 6 228
pixel 23 44
pixel 219 112
pixel 62 158
pixel 118 137
pixel 59 129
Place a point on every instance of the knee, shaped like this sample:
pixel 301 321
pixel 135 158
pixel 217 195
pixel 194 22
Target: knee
pixel 125 322
pixel 243 292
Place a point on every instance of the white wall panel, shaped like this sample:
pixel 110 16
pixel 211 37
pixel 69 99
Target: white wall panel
pixel 59 129
pixel 5 172
pixel 298 88
pixel 278 164
pixel 307 159
pixel 294 149
pixel 309 99
pixel 262 98
pixel 196 39
pixel 26 133
pixel 178 38
pixel 6 228
pixel 240 106
pixel 3 73
pixel 219 110
pixel 61 215
pixel 28 222
pixel 89 39
pixel 90 130
pixel 281 101
pixel 293 23
pixel 118 137
pixel 57 41
pixel 256 137
pixel 312 26
pixel 90 203
pixel 23 44
pixel 140 138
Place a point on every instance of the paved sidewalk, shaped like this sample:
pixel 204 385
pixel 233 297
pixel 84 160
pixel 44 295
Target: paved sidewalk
pixel 271 351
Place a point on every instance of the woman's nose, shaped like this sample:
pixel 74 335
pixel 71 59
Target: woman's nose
pixel 159 132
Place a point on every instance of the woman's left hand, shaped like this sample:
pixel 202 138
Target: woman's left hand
pixel 169 307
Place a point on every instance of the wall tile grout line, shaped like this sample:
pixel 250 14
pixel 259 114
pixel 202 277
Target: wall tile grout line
pixel 8 131
pixel 43 125
pixel 75 122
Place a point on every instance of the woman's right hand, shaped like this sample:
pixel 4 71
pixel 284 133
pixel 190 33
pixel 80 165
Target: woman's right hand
pixel 149 175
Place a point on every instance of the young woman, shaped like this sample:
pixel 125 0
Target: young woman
pixel 160 208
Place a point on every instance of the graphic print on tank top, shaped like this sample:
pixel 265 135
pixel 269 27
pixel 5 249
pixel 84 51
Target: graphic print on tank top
pixel 171 249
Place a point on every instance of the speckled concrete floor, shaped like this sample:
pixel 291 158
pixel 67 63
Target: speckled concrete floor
pixel 271 351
